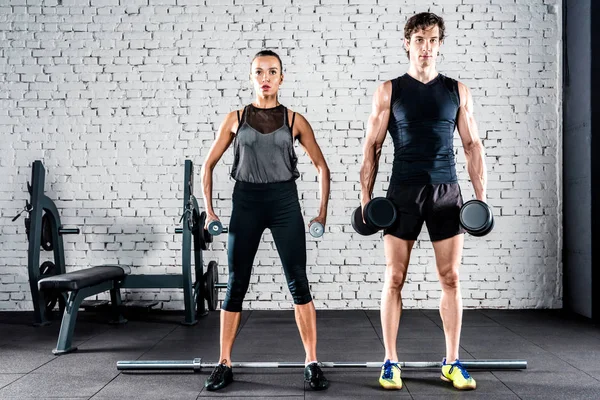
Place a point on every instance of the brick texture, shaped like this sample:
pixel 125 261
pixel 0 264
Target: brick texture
pixel 114 95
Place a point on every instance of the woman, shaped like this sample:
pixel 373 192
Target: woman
pixel 265 196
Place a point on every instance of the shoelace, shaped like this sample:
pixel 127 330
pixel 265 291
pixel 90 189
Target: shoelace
pixel 315 369
pixel 217 373
pixel 463 371
pixel 387 369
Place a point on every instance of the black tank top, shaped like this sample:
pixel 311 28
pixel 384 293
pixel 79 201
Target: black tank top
pixel 422 123
pixel 264 146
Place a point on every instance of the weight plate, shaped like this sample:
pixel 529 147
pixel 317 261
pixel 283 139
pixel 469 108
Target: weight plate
pixel 316 229
pixel 359 225
pixel 47 233
pixel 211 278
pixel 380 213
pixel 476 217
pixel 48 268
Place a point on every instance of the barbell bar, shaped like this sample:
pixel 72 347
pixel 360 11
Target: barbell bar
pixel 68 231
pixel 196 365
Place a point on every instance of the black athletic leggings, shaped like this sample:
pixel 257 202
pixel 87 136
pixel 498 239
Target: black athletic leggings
pixel 257 206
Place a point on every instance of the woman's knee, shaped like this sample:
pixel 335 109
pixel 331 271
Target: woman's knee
pixel 233 300
pixel 300 290
pixel 237 286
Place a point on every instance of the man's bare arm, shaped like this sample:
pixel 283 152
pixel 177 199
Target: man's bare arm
pixel 376 132
pixel 474 151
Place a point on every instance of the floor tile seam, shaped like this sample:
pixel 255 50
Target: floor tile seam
pixel 16 380
pixel 373 326
pixel 547 351
pixel 108 383
pixel 492 372
pixel 118 374
pixel 141 355
pixel 505 385
pixel 93 336
pixel 517 334
pixel 574 366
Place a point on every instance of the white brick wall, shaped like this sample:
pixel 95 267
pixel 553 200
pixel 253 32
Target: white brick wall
pixel 114 95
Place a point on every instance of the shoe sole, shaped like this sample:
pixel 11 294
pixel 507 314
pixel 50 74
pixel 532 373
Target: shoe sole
pixel 219 387
pixel 316 388
pixel 391 387
pixel 457 387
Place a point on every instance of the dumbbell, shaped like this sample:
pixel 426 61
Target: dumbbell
pixel 216 228
pixel 476 217
pixel 379 213
pixel 316 229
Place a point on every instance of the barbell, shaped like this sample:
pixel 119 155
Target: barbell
pixel 197 365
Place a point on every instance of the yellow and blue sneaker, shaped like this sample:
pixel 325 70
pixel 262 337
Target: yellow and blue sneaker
pixel 458 375
pixel 390 376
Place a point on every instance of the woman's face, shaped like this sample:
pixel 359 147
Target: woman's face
pixel 266 76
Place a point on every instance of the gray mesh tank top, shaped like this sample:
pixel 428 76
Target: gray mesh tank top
pixel 264 146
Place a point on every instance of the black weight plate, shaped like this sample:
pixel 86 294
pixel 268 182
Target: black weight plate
pixel 211 278
pixel 48 268
pixel 204 240
pixel 485 231
pixel 358 224
pixel 47 233
pixel 201 310
pixel 489 229
pixel 27 226
pixel 208 238
pixel 380 213
pixel 476 217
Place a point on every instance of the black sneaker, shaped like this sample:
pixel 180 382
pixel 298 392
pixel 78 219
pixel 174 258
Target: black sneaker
pixel 314 376
pixel 221 376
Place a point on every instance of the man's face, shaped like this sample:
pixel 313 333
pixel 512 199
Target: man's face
pixel 424 46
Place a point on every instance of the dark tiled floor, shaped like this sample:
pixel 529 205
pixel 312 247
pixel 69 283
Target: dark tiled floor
pixel 563 354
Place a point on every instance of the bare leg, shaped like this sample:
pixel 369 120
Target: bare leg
pixel 306 319
pixel 397 255
pixel 230 322
pixel 448 253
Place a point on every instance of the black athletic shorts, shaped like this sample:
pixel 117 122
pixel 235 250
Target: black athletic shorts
pixel 438 205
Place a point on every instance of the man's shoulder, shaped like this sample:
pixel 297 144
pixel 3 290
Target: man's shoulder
pixel 452 84
pixel 393 85
pixel 398 79
pixel 447 78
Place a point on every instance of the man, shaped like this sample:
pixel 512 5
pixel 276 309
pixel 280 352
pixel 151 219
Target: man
pixel 421 110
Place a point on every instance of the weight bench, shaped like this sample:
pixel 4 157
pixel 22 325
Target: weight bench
pixel 80 285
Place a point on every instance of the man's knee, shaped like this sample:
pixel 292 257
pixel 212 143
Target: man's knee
pixel 395 275
pixel 450 278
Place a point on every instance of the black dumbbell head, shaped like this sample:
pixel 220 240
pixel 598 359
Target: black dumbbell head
pixel 477 218
pixel 358 224
pixel 380 213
